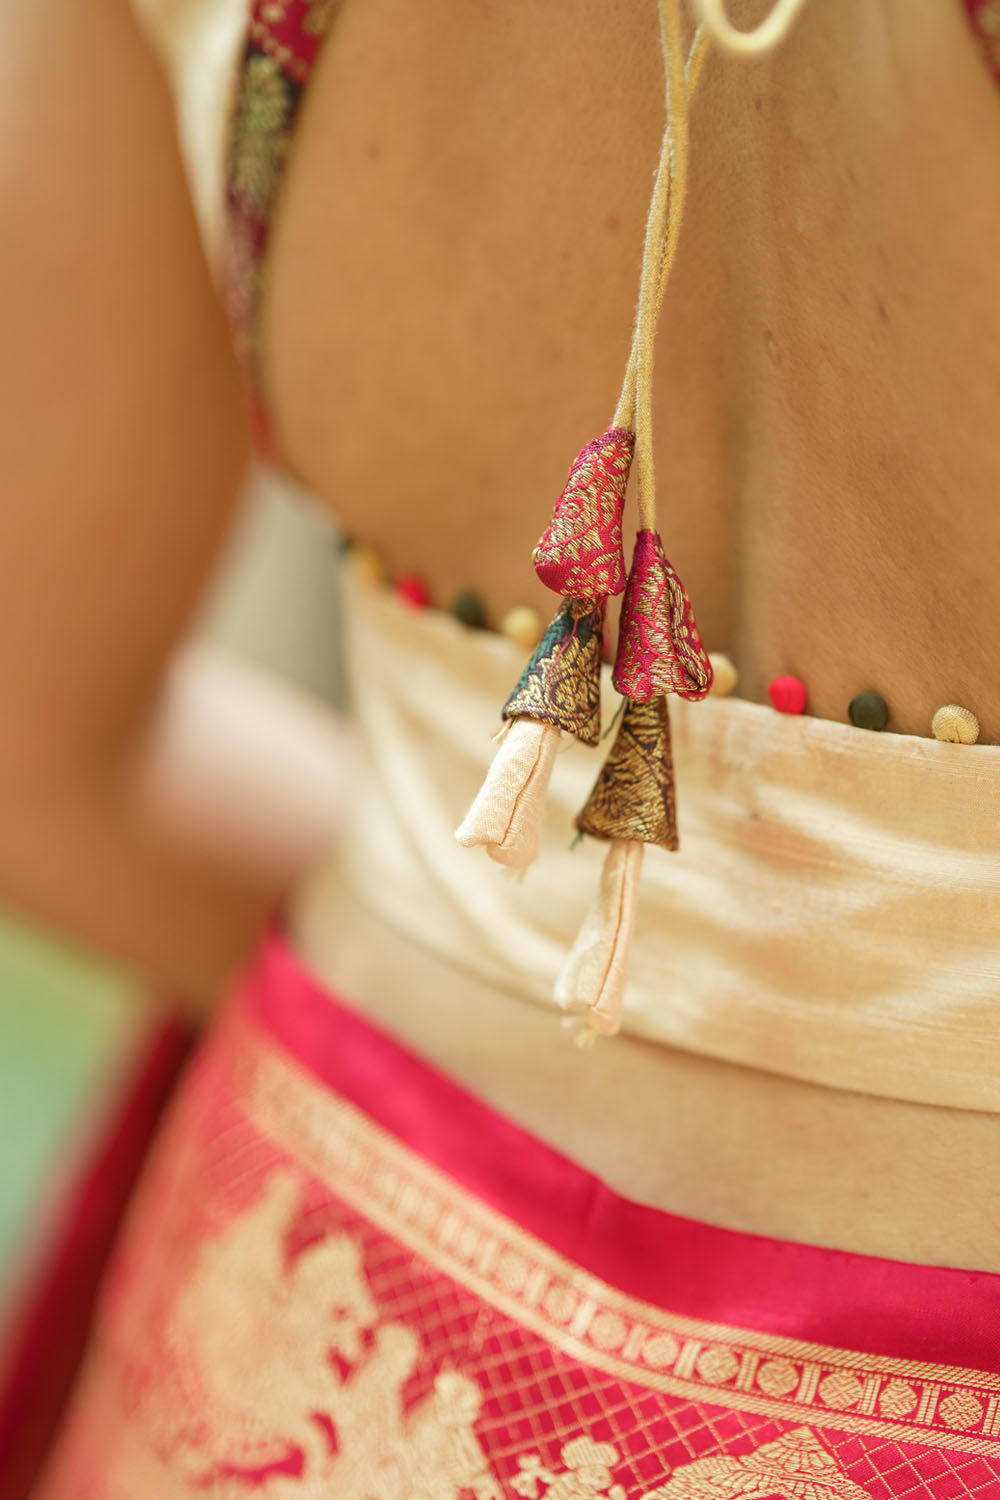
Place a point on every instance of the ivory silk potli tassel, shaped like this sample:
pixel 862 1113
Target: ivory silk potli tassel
pixel 631 805
pixel 559 692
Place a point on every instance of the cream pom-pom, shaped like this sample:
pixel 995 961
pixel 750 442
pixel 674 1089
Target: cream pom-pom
pixel 367 565
pixel 952 722
pixel 524 625
pixel 724 674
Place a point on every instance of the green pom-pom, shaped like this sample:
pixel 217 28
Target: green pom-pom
pixel 468 607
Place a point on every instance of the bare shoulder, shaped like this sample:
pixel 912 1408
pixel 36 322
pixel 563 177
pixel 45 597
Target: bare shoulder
pixel 121 434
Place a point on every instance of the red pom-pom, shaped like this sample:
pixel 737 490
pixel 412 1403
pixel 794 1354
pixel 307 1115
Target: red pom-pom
pixel 788 695
pixel 412 589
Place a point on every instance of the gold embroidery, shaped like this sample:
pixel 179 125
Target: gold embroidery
pixel 586 1473
pixel 778 1377
pixel 442 1446
pixel 259 1336
pixel 256 1338
pixel 259 137
pixel 561 684
pixel 795 1466
pixel 315 18
pixel 841 1390
pixel 897 1399
pixel 659 647
pixel 717 1364
pixel 478 1249
pixel 633 797
pixel 961 1410
pixel 322 1329
pixel 580 551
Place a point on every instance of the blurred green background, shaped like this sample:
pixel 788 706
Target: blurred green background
pixel 63 1019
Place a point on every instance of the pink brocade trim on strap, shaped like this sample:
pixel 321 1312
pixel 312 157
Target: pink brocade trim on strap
pixel 283 42
pixel 348 1279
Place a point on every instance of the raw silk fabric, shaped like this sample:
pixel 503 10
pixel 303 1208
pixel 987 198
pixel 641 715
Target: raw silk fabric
pixel 346 1277
pixel 832 914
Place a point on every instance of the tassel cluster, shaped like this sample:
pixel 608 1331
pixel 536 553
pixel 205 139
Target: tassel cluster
pixel 660 651
pixel 580 556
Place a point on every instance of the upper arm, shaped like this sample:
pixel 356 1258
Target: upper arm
pixel 121 435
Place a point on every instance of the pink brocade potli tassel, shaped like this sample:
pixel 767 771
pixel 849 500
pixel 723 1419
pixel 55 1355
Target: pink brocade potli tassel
pixel 659 645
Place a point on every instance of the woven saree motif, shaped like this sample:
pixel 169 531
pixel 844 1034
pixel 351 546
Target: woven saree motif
pixel 307 1308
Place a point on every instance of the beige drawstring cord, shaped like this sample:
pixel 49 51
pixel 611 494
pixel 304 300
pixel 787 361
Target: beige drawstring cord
pixel 591 985
pixel 770 33
pixel 666 210
pixel 506 815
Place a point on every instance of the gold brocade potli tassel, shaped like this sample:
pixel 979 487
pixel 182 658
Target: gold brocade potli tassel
pixel 580 557
pixel 559 692
pixel 631 805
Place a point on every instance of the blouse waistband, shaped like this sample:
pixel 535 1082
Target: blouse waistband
pixel 833 913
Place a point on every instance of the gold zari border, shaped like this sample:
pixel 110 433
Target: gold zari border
pixel 938 1406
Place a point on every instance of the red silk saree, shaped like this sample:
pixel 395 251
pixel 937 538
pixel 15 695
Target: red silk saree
pixel 346 1277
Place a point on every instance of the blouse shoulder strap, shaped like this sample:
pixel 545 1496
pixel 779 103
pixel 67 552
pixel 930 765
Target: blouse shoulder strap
pixel 282 43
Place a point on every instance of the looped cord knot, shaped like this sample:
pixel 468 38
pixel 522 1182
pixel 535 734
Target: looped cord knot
pixel 770 33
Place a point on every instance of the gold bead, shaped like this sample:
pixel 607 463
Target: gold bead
pixel 957 724
pixel 725 675
pixel 524 625
pixel 367 565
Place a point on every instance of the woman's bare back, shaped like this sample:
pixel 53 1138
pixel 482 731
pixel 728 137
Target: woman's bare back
pixel 452 282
